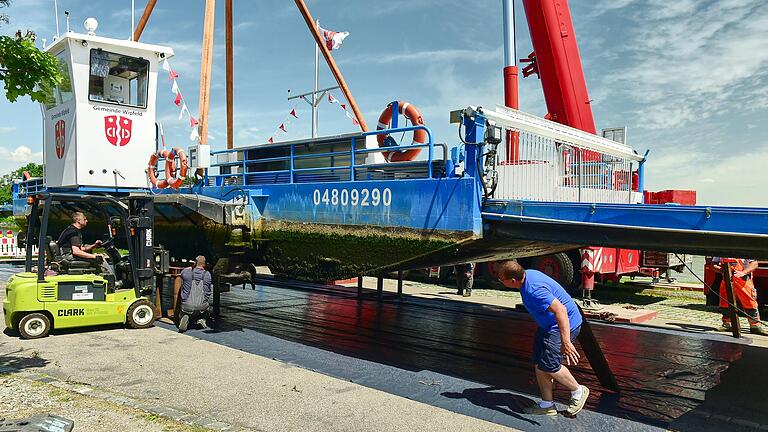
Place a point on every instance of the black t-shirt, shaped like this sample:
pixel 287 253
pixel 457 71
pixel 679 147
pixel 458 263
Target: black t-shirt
pixel 71 236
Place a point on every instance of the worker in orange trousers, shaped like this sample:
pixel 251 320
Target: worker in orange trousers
pixel 745 294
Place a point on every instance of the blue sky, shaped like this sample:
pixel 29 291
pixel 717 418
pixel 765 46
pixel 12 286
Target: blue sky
pixel 689 78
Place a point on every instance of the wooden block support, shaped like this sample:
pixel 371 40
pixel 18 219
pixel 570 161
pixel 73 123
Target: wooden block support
pixel 735 324
pixel 595 355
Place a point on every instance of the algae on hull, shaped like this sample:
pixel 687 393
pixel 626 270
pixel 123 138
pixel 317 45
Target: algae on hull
pixel 326 252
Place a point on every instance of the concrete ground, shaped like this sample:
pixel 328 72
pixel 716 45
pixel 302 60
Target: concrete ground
pixel 120 379
pixel 164 376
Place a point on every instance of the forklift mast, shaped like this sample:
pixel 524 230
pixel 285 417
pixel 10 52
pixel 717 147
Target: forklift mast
pixel 141 217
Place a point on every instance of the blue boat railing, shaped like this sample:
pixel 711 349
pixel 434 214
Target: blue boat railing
pixel 29 187
pixel 293 174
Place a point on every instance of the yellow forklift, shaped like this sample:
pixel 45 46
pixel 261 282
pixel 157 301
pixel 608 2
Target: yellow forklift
pixel 66 293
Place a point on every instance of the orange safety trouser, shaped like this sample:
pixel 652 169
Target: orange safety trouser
pixel 743 290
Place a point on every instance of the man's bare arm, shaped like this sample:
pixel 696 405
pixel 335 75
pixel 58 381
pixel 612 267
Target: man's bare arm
pixel 82 252
pixel 561 317
pixel 752 266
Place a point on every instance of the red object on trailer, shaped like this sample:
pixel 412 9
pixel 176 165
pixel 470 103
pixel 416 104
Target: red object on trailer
pixel 682 197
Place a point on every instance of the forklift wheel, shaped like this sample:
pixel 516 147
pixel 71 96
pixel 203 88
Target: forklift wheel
pixel 34 326
pixel 141 315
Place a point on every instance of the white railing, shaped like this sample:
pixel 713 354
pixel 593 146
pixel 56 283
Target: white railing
pixel 548 161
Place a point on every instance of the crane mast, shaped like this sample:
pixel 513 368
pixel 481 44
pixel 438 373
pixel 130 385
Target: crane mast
pixel 556 60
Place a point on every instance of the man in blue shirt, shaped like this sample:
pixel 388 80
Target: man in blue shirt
pixel 559 321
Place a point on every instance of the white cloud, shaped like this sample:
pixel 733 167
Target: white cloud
pixel 429 57
pixel 21 154
pixel 734 180
pixel 7 129
pixel 686 62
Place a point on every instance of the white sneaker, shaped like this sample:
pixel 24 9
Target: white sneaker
pixel 576 405
pixel 183 323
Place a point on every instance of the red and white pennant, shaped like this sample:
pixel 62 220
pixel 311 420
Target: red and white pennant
pixel 283 128
pixel 350 116
pixel 180 102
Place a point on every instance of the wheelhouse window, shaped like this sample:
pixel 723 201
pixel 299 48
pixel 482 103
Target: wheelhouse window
pixel 62 93
pixel 118 79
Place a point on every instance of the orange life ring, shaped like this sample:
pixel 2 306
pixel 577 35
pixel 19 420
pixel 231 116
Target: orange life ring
pixel 170 168
pixel 419 135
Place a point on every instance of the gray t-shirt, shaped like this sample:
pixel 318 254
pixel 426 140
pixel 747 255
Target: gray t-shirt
pixel 188 275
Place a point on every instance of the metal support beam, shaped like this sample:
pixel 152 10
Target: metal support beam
pixel 331 63
pixel 359 287
pixel 143 20
pixel 379 288
pixel 31 229
pixel 230 76
pixel 42 240
pixel 399 283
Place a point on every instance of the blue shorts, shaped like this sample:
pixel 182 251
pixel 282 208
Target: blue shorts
pixel 547 346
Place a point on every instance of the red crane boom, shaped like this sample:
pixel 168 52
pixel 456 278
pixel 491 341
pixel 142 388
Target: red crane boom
pixel 556 60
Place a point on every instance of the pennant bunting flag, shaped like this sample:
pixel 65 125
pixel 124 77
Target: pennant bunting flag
pixel 349 115
pixel 180 102
pixel 184 110
pixel 332 39
pixel 284 125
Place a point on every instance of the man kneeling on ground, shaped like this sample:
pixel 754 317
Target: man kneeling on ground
pixel 559 321
pixel 195 294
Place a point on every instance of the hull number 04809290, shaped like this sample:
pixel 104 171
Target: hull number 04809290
pixel 353 197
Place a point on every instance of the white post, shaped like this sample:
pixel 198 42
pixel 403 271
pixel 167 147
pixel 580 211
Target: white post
pixel 510 56
pixel 133 17
pixel 56 12
pixel 314 94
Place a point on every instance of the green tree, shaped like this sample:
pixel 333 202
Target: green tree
pixel 24 69
pixel 6 181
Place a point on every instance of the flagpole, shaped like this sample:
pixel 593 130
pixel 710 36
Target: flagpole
pixel 133 17
pixel 314 94
pixel 331 64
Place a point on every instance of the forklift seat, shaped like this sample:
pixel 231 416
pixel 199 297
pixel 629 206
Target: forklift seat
pixel 59 263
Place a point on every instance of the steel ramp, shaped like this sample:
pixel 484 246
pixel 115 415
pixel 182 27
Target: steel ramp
pixel 719 231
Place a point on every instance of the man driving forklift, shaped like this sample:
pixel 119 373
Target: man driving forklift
pixel 72 247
